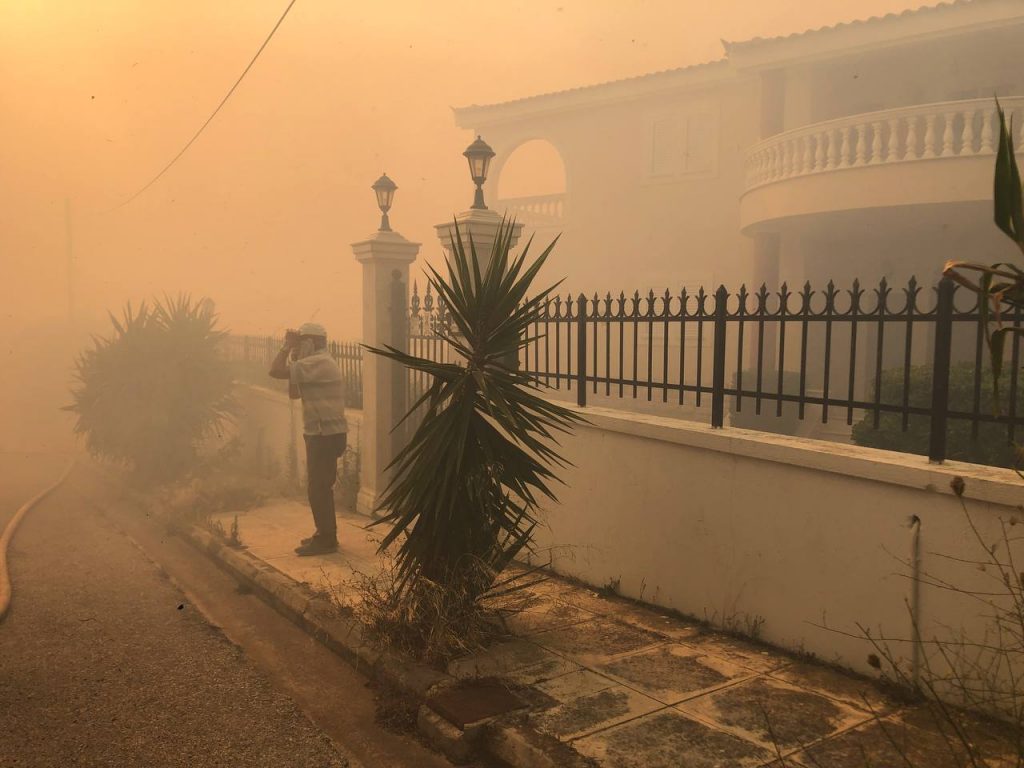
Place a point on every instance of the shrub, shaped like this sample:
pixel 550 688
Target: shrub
pixel 991 445
pixel 151 392
pixel 465 490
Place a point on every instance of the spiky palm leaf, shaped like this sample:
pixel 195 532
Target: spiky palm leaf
pixel 1000 284
pixel 466 487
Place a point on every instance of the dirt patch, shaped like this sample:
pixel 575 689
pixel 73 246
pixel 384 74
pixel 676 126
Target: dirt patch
pixel 783 716
pixel 662 670
pixel 669 740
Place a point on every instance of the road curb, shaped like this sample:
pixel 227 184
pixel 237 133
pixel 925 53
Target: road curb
pixel 512 741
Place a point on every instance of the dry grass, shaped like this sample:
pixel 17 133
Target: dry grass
pixel 428 622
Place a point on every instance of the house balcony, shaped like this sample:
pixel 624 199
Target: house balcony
pixel 932 155
pixel 535 211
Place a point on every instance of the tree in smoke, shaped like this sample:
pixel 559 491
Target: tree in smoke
pixel 152 391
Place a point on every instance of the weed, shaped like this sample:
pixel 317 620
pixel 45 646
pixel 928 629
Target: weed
pixel 234 537
pixel 347 485
pixel 611 588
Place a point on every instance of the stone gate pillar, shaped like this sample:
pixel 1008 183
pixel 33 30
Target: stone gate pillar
pixel 385 257
pixel 482 224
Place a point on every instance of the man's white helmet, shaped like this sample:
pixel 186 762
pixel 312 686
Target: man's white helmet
pixel 312 329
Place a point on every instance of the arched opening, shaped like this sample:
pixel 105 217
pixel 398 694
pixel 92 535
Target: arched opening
pixel 531 185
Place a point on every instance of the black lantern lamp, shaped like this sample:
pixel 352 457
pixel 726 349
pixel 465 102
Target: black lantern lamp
pixel 384 188
pixel 479 155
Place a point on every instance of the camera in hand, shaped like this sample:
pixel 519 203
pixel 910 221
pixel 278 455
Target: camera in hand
pixel 291 338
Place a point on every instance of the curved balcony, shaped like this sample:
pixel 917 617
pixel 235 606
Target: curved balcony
pixel 535 211
pixel 932 153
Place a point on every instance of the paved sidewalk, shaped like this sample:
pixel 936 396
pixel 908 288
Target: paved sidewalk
pixel 631 688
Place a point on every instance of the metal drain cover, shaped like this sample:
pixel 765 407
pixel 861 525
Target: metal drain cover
pixel 473 702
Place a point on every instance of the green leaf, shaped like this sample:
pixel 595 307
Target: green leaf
pixel 1008 208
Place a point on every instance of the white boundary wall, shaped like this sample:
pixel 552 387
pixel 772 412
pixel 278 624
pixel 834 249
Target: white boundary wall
pixel 730 524
pixel 270 428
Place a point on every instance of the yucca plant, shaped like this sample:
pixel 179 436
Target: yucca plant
pixel 152 391
pixel 999 285
pixel 463 499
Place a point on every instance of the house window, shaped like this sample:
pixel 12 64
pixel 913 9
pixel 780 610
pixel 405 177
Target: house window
pixel 682 144
pixel 667 136
pixel 700 144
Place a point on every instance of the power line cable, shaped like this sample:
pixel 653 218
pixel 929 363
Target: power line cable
pixel 213 114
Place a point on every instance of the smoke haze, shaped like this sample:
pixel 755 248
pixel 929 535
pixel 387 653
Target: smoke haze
pixel 259 213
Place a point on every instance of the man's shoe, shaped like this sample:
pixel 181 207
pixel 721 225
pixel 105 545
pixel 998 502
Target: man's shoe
pixel 306 540
pixel 317 546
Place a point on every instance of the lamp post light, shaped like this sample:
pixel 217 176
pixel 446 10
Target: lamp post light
pixel 384 188
pixel 478 223
pixel 479 155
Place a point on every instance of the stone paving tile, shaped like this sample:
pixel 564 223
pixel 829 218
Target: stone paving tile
pixel 551 667
pixel 594 711
pixel 578 596
pixel 754 657
pixel 575 685
pixel 672 627
pixel 987 739
pixel 501 660
pixel 597 640
pixel 600 671
pixel 670 739
pixel 671 673
pixel 540 615
pixel 885 743
pixel 774 714
pixel 856 691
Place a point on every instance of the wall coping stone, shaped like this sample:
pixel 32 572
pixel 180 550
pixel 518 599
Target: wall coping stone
pixel 995 485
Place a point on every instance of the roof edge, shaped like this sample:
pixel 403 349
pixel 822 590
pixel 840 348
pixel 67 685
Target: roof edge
pixel 693 75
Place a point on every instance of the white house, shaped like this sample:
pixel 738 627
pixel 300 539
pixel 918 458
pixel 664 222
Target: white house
pixel 857 150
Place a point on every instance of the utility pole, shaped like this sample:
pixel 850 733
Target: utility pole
pixel 70 254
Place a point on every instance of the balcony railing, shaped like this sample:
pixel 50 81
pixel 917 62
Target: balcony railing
pixel 535 210
pixel 927 132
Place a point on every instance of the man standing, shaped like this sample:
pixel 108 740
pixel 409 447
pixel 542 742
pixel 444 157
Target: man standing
pixel 314 376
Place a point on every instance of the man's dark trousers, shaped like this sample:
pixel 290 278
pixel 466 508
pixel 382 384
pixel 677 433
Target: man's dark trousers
pixel 322 452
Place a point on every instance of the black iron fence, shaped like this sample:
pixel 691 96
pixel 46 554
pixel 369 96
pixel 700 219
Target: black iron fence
pixel 911 360
pixel 253 354
pixel 874 357
pixel 428 325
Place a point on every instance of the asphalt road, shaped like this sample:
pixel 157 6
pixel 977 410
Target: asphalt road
pixel 109 659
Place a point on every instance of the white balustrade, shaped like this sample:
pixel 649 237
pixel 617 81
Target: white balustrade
pixel 967 138
pixel 876 142
pixel 909 134
pixel 538 210
pixel 892 147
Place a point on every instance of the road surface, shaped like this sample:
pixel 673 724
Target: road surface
pixel 125 647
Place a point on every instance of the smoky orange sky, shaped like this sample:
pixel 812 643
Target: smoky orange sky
pixel 97 95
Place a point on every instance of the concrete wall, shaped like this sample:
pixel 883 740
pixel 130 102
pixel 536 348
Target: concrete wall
pixel 732 525
pixel 270 429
